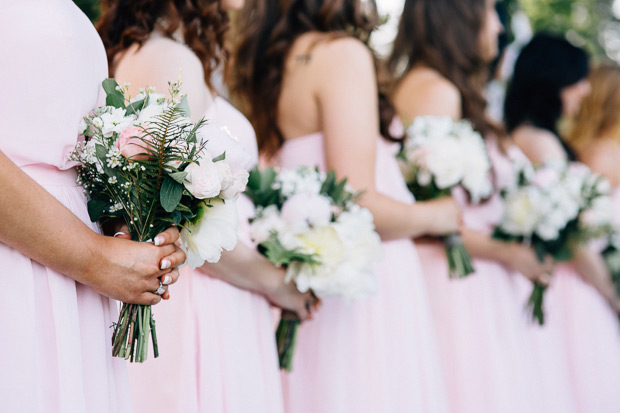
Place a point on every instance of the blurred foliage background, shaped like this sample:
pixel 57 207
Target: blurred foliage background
pixel 592 24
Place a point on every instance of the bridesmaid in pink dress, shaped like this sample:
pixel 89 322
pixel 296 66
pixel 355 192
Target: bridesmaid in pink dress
pixel 58 271
pixel 595 136
pixel 487 356
pixel 311 92
pixel 221 323
pixel 579 302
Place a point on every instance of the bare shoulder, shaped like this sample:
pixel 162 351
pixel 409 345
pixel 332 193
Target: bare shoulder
pixel 423 91
pixel 327 54
pixel 538 145
pixel 160 59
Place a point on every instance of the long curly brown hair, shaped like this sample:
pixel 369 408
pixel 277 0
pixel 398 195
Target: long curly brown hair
pixel 128 22
pixel 269 29
pixel 445 36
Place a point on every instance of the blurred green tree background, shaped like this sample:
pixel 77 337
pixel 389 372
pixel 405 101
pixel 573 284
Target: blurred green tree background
pixel 90 7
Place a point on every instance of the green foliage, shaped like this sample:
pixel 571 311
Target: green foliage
pixel 583 22
pixel 260 188
pixel 91 8
pixel 280 256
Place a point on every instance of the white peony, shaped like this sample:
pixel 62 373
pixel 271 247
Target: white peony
pixel 220 141
pixel 215 230
pixel 307 209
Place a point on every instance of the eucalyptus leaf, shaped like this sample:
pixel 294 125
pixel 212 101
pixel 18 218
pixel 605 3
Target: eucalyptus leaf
pixel 97 208
pixel 179 176
pixel 170 194
pixel 220 158
pixel 114 97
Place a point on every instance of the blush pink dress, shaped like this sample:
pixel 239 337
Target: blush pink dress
pixel 592 338
pixel 55 336
pixel 486 353
pixel 216 341
pixel 377 354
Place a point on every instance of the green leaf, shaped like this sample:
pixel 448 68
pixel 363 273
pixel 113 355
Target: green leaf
pixel 170 194
pixel 113 97
pixel 278 255
pixel 97 208
pixel 184 106
pixel 179 176
pixel 136 106
pixel 220 158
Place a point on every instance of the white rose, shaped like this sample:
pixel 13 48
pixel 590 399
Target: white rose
pixel 203 181
pixel 216 230
pixel 307 208
pixel 232 183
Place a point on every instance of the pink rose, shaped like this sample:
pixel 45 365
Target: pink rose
pixel 132 144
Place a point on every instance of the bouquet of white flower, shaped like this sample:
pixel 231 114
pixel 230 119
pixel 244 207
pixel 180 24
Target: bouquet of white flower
pixel 142 163
pixel 554 208
pixel 308 222
pixel 438 155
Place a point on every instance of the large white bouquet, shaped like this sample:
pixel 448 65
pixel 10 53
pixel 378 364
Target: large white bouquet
pixel 554 208
pixel 438 155
pixel 309 222
pixel 142 163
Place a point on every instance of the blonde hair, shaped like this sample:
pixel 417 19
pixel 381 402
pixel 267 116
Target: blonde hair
pixel 599 116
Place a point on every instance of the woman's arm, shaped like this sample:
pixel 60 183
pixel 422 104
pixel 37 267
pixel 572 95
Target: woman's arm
pixel 513 255
pixel 345 84
pixel 245 268
pixel 591 267
pixel 36 224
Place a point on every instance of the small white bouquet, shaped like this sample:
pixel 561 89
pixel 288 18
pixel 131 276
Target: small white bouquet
pixel 438 155
pixel 143 163
pixel 308 222
pixel 554 208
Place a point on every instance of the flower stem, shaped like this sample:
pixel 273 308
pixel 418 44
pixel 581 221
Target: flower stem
pixel 536 303
pixel 459 260
pixel 286 338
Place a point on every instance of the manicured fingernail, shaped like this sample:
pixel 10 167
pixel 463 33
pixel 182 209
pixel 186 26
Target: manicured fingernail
pixel 158 241
pixel 166 280
pixel 118 234
pixel 165 264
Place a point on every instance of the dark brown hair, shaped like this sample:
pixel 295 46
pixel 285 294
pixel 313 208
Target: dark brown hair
pixel 445 36
pixel 269 29
pixel 125 22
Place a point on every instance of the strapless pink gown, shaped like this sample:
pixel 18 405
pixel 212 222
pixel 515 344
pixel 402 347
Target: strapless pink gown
pixel 216 341
pixel 378 354
pixel 488 360
pixel 55 336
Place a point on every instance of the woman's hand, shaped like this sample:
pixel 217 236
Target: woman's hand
pixel 131 271
pixel 523 259
pixel 287 297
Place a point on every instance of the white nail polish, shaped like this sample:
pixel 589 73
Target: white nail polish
pixel 158 241
pixel 165 264
pixel 119 234
pixel 167 280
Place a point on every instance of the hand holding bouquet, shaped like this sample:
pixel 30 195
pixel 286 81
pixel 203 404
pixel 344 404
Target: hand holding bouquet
pixel 308 222
pixel 554 209
pixel 142 164
pixel 438 155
